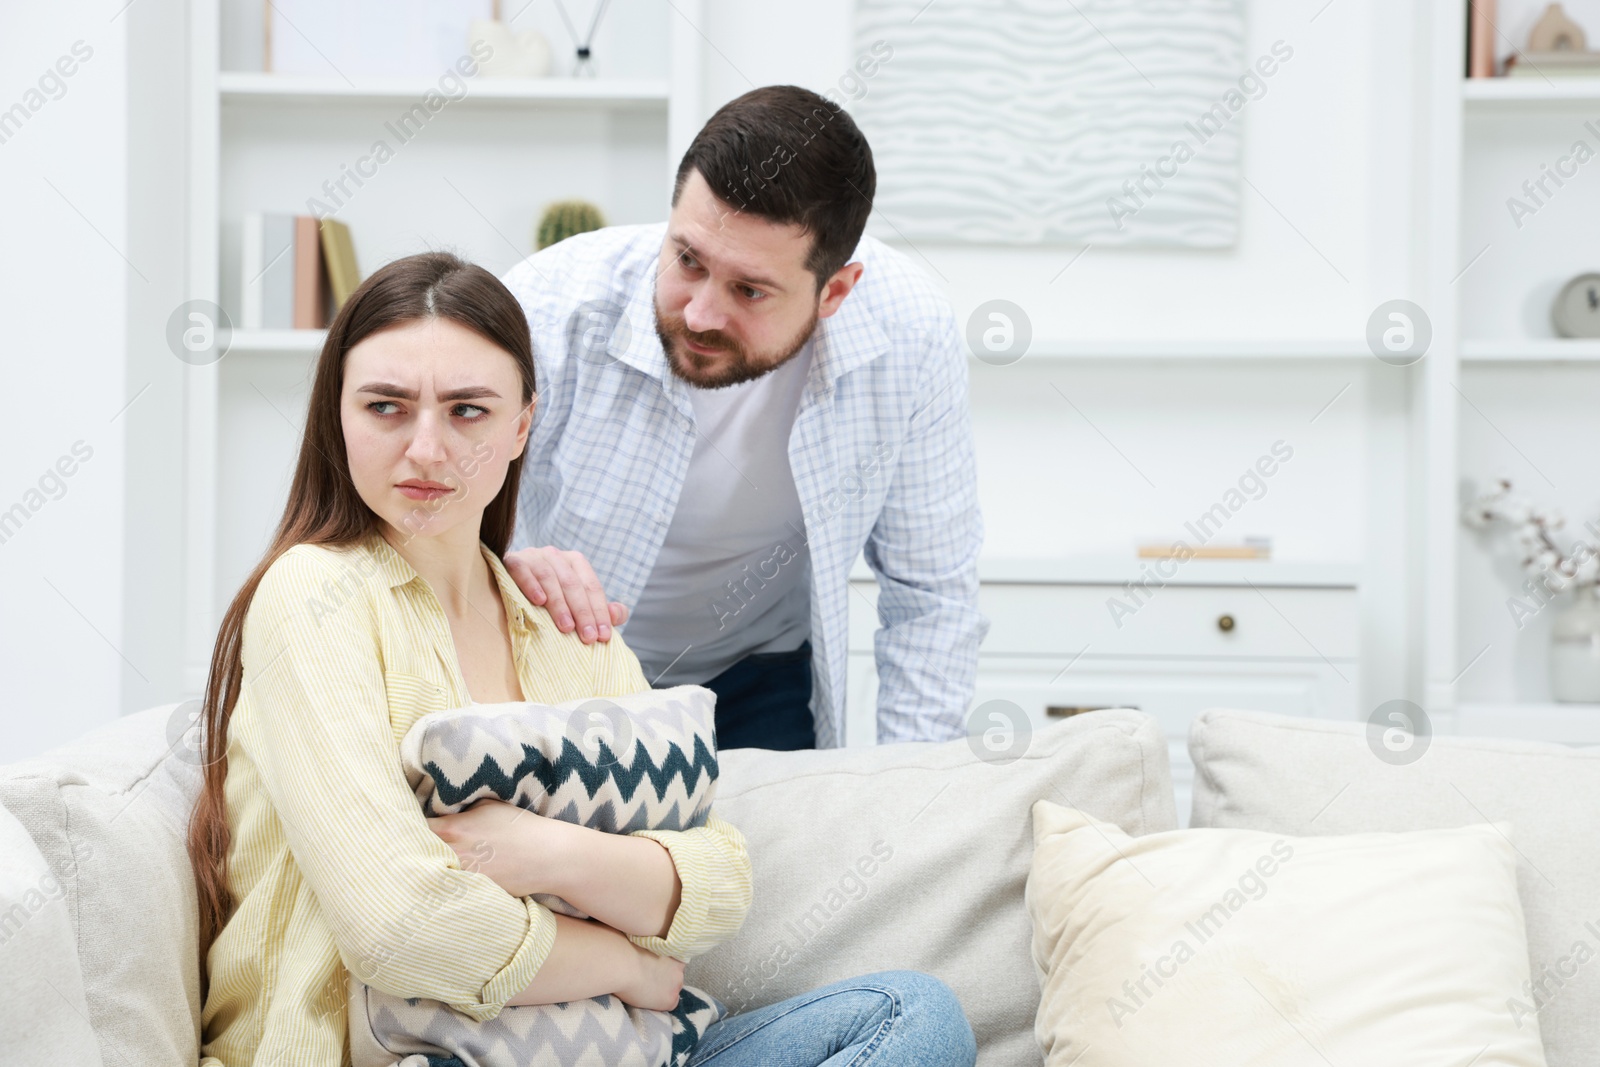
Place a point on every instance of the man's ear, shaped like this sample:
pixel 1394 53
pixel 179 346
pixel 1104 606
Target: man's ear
pixel 837 288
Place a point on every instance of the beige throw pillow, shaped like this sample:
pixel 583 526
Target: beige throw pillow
pixel 1246 949
pixel 1292 775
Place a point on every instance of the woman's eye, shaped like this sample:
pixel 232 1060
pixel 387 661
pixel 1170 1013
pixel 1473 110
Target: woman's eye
pixel 482 411
pixel 376 404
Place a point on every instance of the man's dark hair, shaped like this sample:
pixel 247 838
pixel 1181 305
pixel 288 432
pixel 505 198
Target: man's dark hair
pixel 788 155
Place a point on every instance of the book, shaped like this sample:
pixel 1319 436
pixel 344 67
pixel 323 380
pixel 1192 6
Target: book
pixel 1480 39
pixel 250 241
pixel 310 310
pixel 339 257
pixel 1554 65
pixel 1249 548
pixel 266 271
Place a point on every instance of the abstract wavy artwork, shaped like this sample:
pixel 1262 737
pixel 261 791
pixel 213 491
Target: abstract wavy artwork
pixel 1111 122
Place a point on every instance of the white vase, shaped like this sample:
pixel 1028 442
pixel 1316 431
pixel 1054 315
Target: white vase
pixel 511 54
pixel 1575 650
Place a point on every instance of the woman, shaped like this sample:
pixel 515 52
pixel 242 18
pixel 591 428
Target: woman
pixel 381 598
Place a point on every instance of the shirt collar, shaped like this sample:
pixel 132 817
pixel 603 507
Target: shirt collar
pixel 395 571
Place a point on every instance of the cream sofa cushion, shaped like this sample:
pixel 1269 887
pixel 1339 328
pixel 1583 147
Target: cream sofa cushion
pixel 108 814
pixel 1302 777
pixel 1238 948
pixel 914 856
pixel 44 1016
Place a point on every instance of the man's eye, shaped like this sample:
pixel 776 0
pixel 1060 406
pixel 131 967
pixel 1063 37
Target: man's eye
pixel 752 294
pixel 688 261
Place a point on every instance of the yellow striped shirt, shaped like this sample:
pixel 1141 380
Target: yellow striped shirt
pixel 331 859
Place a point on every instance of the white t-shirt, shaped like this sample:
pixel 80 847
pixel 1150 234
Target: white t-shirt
pixel 733 576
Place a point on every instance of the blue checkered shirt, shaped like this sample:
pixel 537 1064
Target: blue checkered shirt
pixel 881 453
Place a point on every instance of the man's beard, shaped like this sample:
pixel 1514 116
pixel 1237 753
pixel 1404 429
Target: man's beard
pixel 732 365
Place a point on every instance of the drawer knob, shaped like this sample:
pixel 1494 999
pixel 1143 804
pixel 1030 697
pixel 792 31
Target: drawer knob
pixel 1225 623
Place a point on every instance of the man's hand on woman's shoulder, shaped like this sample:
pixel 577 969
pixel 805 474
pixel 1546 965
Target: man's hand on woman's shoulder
pixel 563 583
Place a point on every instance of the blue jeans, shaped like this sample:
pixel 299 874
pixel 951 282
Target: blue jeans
pixel 764 701
pixel 887 1019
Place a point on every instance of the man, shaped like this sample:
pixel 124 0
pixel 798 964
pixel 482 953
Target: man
pixel 732 406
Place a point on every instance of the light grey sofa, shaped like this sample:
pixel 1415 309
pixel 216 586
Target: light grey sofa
pixel 907 856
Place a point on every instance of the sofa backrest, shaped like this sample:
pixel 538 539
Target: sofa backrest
pixel 915 856
pixel 1309 778
pixel 108 815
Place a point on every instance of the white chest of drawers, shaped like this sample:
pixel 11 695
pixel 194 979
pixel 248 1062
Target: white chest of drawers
pixel 1068 637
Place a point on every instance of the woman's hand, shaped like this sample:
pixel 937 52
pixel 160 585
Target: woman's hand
pixel 657 985
pixel 515 847
pixel 626 882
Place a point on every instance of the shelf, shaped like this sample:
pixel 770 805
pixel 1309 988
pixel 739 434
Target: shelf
pixel 1531 350
pixel 302 341
pixel 1202 349
pixel 248 87
pixel 1557 89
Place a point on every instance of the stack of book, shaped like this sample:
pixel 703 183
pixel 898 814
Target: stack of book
pixel 1248 548
pixel 296 271
pixel 1554 65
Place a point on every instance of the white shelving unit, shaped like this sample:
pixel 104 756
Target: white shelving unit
pixel 472 180
pixel 291 341
pixel 244 87
pixel 1504 395
pixel 1492 91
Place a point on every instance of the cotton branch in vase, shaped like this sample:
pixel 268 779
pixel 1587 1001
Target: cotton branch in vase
pixel 1550 568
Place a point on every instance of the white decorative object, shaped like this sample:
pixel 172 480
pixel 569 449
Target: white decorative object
pixel 1575 634
pixel 1575 650
pixel 1544 561
pixel 1576 311
pixel 368 38
pixel 510 54
pixel 1029 121
pixel 583 47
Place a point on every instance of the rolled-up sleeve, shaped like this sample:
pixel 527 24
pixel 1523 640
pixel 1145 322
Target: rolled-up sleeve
pixel 714 869
pixel 713 866
pixel 314 718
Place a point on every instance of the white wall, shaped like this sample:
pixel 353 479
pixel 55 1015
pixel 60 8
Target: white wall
pixel 63 297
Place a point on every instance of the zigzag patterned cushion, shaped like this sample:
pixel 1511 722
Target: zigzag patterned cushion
pixel 646 761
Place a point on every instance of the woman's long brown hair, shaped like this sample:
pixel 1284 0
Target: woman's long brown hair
pixel 325 509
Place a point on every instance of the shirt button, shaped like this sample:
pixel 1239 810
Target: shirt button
pixel 663 518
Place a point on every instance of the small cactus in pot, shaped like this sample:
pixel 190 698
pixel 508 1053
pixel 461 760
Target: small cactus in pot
pixel 565 218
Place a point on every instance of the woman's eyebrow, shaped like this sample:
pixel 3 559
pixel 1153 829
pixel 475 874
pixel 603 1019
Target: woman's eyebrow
pixel 470 392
